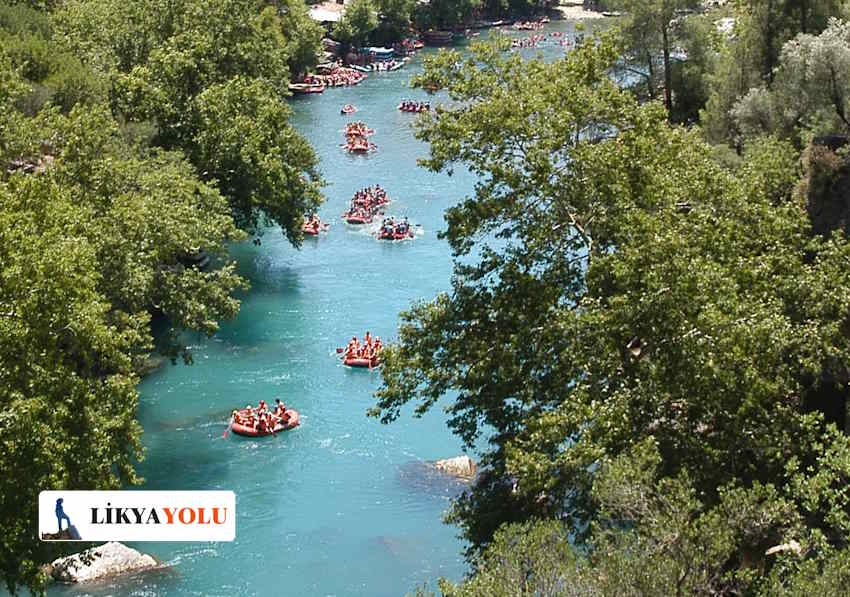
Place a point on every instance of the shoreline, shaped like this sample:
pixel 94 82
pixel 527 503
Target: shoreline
pixel 575 10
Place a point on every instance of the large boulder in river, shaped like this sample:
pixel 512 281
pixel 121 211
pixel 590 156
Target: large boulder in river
pixel 109 559
pixel 459 466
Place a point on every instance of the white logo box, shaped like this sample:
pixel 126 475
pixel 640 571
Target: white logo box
pixel 137 515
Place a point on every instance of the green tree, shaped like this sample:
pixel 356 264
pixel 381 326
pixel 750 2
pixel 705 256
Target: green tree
pixel 96 236
pixel 114 35
pixel 690 77
pixel 445 14
pixel 301 35
pixel 612 282
pixel 654 537
pixel 219 85
pixel 810 91
pixel 737 70
pixel 752 55
pixel 649 34
pixel 54 74
pixel 776 21
pixel 394 19
pixel 268 170
pixel 67 389
pixel 357 24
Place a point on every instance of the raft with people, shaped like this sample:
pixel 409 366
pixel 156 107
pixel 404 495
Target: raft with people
pixel 348 109
pixel 413 106
pixel 365 355
pixel 528 42
pixel 356 138
pixel 313 226
pixel 360 146
pixel 392 230
pixel 357 217
pixel 358 129
pixel 530 25
pixel 365 204
pixel 260 421
pixel 384 66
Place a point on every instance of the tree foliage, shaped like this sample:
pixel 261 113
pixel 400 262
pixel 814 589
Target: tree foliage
pixel 97 236
pixel 752 55
pixel 67 387
pixel 810 93
pixel 613 284
pixel 445 14
pixel 654 537
pixel 301 36
pixel 394 17
pixel 650 38
pixel 357 24
pixel 171 67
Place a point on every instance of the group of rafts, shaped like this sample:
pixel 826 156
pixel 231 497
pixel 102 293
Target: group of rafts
pixel 331 75
pixel 357 138
pixel 365 205
pixel 368 203
pixel 537 39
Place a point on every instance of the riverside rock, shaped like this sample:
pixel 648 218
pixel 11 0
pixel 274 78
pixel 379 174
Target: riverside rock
pixel 459 466
pixel 109 559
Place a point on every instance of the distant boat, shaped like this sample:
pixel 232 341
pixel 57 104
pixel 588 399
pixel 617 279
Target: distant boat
pixel 438 38
pixel 306 87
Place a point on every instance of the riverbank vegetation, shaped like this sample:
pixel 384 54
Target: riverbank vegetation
pixel 646 340
pixel 138 139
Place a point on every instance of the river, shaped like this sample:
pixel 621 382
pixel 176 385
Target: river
pixel 342 505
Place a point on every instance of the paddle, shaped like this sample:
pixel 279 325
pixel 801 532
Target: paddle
pixel 229 425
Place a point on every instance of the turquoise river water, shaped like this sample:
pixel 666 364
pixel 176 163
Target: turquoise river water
pixel 342 505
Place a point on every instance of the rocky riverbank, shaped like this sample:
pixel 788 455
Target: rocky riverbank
pixel 98 563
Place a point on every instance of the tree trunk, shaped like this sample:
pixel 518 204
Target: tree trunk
pixel 650 84
pixel 668 76
pixel 770 58
pixel 804 16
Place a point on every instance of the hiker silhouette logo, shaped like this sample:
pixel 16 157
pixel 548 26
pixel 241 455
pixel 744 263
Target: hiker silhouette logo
pixel 69 533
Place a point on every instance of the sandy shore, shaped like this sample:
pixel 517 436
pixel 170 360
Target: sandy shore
pixel 574 9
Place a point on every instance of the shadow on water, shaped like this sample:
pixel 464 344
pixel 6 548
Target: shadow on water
pixel 419 477
pixel 156 581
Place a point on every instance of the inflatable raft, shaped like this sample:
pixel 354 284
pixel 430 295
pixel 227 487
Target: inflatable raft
pixel 388 233
pixel 314 231
pixel 364 363
pixel 414 110
pixel 357 219
pixel 290 422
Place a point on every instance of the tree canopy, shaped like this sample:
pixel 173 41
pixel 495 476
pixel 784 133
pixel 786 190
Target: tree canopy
pixel 178 63
pixel 613 284
pixel 445 14
pixel 648 33
pixel 357 24
pixel 810 93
